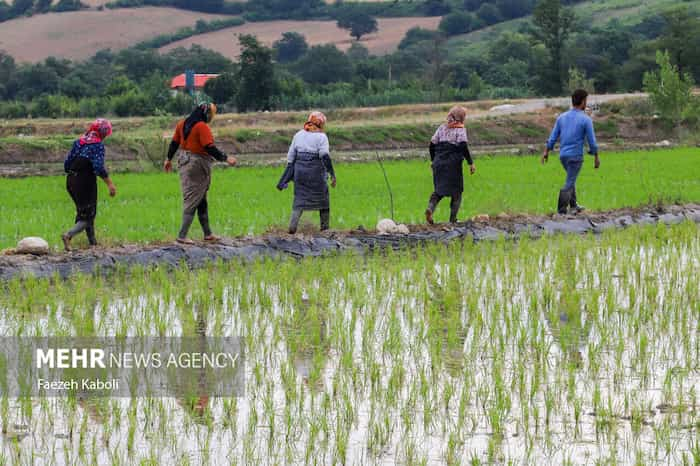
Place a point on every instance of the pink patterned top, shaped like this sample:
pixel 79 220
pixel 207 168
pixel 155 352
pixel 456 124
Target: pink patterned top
pixel 451 135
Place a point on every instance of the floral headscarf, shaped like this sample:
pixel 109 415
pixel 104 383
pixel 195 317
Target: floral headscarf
pixel 98 130
pixel 315 122
pixel 456 117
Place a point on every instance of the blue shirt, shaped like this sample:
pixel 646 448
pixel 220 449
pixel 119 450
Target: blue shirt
pixel 95 153
pixel 572 128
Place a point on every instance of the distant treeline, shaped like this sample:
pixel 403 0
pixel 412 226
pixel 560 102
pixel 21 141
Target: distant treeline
pixel 549 55
pixel 28 7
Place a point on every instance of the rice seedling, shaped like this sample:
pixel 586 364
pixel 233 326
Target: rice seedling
pixel 558 350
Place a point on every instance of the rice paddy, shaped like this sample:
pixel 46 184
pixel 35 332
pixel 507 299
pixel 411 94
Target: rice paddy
pixel 562 350
pixel 244 201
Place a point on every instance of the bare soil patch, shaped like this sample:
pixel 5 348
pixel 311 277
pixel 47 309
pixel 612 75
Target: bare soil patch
pixel 391 31
pixel 79 34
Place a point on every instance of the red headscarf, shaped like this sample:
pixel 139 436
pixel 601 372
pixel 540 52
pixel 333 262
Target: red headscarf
pixel 97 131
pixel 315 122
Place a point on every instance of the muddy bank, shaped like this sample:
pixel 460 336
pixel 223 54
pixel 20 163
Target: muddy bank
pixel 300 246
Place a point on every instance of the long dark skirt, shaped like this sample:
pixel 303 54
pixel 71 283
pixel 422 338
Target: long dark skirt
pixel 81 184
pixel 448 177
pixel 310 183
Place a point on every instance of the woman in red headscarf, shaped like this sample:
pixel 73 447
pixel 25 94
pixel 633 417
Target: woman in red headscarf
pixel 84 163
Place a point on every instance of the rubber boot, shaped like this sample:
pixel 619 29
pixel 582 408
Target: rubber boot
pixel 574 204
pixel 564 199
pixel 325 215
pixel 294 221
pixel 187 220
pixel 90 231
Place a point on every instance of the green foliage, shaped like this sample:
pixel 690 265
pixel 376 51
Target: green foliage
pixel 290 47
pixel 459 23
pixel 358 23
pixel 223 88
pixel 416 35
pixel 256 79
pixel 324 64
pixel 201 27
pixel 669 90
pixel 553 25
pixel 503 183
pixel 577 80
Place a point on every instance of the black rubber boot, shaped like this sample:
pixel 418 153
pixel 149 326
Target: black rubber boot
pixel 564 199
pixel 90 230
pixel 574 204
pixel 325 215
pixel 294 221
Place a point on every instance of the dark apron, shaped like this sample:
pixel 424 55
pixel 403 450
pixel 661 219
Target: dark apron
pixel 81 184
pixel 448 177
pixel 310 183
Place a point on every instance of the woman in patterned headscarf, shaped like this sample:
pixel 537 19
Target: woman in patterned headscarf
pixel 84 163
pixel 309 165
pixel 448 148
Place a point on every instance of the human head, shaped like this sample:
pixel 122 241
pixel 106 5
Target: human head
pixel 101 126
pixel 315 122
pixel 579 98
pixel 97 131
pixel 209 111
pixel 457 115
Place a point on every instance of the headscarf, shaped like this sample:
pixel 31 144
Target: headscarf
pixel 315 122
pixel 456 117
pixel 98 130
pixel 203 113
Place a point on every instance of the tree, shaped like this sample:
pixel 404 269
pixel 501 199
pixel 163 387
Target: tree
pixel 553 24
pixel 20 7
pixel 223 88
pixel 358 23
pixel 670 92
pixel 578 80
pixel 436 8
pixel 256 77
pixel 42 6
pixel 680 39
pixel 415 35
pixel 211 6
pixel 324 64
pixel 459 23
pixel 290 47
pixel 489 13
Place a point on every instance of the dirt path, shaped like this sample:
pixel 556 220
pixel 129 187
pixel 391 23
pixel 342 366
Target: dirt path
pixel 299 246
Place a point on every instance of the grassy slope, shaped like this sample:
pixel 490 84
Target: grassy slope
pixel 597 12
pixel 245 201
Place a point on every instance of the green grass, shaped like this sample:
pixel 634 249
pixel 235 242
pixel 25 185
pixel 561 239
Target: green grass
pixel 245 201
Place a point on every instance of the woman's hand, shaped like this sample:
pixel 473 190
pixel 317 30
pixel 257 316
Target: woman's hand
pixel 333 182
pixel 111 187
pixel 231 161
pixel 168 166
pixel 472 169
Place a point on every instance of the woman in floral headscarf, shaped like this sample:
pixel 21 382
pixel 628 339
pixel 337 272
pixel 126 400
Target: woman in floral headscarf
pixel 309 165
pixel 84 163
pixel 448 148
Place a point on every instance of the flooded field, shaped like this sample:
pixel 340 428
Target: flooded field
pixel 562 350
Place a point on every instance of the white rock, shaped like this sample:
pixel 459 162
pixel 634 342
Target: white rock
pixel 664 143
pixel 500 108
pixel 386 226
pixel 389 227
pixel 402 229
pixel 32 245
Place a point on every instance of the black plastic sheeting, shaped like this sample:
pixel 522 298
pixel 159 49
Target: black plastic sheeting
pixel 107 260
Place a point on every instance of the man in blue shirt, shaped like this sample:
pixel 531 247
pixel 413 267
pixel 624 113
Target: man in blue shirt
pixel 572 129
